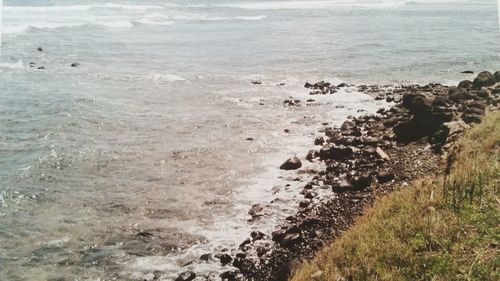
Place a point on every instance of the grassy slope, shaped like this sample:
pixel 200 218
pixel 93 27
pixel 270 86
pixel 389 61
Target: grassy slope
pixel 444 228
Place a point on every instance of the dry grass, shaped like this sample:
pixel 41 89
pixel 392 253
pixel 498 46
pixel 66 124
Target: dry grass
pixel 444 228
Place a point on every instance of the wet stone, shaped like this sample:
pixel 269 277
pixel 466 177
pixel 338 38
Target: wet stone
pixel 225 259
pixel 290 239
pixel 186 276
pixel 205 257
pixel 291 164
pixel 257 235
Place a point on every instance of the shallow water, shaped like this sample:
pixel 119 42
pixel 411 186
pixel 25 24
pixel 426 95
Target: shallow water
pixel 148 134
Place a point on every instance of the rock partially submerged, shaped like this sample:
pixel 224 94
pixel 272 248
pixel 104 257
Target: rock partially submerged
pixel 293 163
pixel 186 276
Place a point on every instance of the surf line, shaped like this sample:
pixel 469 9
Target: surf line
pixel 1 21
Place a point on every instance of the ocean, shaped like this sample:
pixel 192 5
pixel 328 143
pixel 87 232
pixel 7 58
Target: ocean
pixel 132 140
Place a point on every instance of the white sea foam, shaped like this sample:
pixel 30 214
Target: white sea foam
pixel 152 22
pixel 315 4
pixel 161 78
pixel 79 8
pixel 17 65
pixel 326 4
pixel 25 28
pixel 261 17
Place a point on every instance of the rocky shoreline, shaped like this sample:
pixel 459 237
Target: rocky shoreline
pixel 366 157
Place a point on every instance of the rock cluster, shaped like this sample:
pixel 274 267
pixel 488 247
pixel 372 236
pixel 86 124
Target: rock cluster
pixel 366 156
pixel 323 88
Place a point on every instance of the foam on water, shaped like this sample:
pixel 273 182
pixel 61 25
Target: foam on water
pixel 16 65
pixel 327 4
pixel 161 77
pixel 79 8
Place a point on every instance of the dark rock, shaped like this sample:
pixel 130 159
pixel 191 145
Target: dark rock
pixel 474 110
pixel 291 164
pixel 229 275
pixel 440 136
pixel 391 122
pixel 205 257
pixel 244 265
pixel 225 259
pixel 389 99
pixel 290 239
pixel 257 235
pixel 459 96
pixel 440 101
pixel 75 64
pixel 467 72
pixel 310 195
pixel 319 141
pixel 484 79
pixel 362 181
pixel 143 233
pixel 41 67
pixel 277 235
pixel 497 76
pixel 471 118
pixel 261 250
pixel 312 154
pixel 282 84
pixel 442 116
pixel 256 210
pixel 347 125
pixel 308 186
pixel 40 49
pixel 256 82
pixel 420 104
pixel 481 93
pixel 408 99
pixel 384 176
pixel 466 84
pixel 250 139
pixel 304 203
pixel 343 84
pixel 310 221
pixel 241 255
pixel 244 243
pixel 308 85
pixel 342 186
pixel 186 276
pixel 335 152
pixel 477 104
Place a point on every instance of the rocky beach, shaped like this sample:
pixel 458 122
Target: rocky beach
pixel 365 158
pixel 208 140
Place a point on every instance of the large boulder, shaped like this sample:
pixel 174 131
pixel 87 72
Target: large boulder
pixel 466 84
pixel 484 79
pixel 459 96
pixel 291 164
pixel 408 99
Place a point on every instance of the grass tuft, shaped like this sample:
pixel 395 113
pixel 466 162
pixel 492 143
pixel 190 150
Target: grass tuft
pixel 443 228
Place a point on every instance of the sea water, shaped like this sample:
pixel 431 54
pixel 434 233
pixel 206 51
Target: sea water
pixel 136 161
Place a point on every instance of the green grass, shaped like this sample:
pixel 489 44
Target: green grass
pixel 443 228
